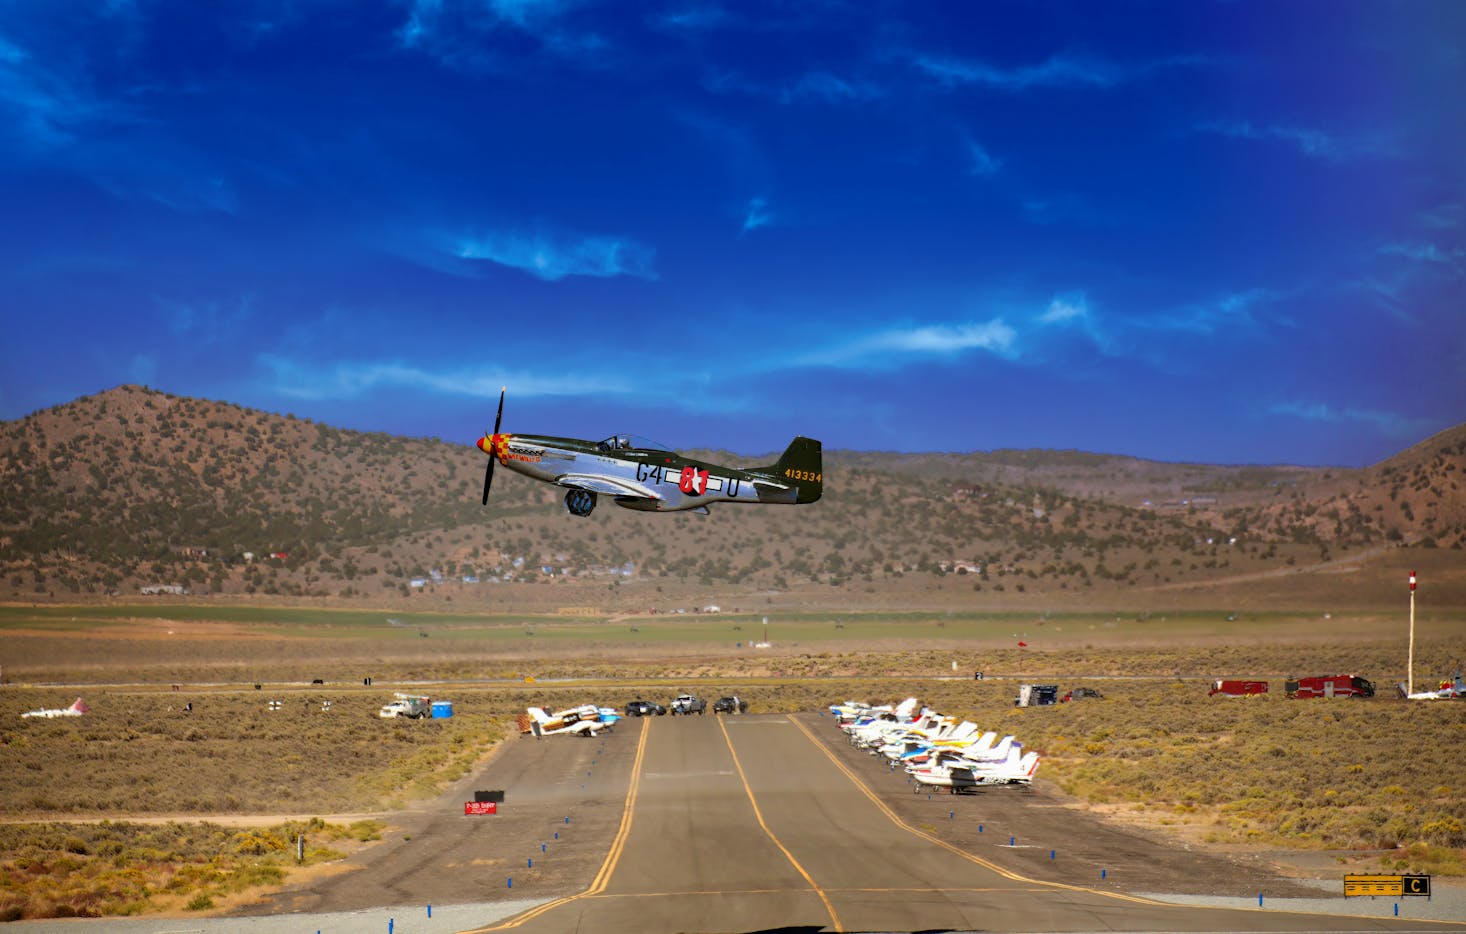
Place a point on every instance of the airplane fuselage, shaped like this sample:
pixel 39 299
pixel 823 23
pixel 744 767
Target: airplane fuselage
pixel 637 478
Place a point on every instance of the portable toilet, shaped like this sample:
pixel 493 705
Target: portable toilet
pixel 442 709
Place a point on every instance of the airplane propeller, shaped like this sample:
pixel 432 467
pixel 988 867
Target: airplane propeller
pixel 489 471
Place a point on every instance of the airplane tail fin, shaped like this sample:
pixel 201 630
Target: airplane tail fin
pixel 79 706
pixel 801 464
pixel 538 715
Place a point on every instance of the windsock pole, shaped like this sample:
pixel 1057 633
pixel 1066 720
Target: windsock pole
pixel 1410 662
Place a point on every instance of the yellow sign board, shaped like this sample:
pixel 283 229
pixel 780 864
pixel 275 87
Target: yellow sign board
pixel 1396 886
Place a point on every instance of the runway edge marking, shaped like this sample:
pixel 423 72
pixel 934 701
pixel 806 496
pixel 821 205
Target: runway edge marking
pixel 1120 896
pixel 834 918
pixel 971 857
pixel 613 855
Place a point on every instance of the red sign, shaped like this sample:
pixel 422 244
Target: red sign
pixel 1412 581
pixel 480 807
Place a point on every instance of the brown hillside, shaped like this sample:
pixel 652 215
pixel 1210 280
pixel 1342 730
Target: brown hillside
pixel 133 488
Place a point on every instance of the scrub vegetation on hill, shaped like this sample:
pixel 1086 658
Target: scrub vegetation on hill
pixel 132 488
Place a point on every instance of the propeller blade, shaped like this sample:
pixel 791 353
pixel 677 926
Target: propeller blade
pixel 489 470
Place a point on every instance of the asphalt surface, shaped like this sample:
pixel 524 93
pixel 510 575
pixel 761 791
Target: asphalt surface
pixel 766 823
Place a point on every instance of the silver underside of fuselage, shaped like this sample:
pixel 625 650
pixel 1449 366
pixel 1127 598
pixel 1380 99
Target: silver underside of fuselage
pixel 640 484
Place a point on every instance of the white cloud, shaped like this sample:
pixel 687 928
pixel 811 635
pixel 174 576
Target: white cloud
pixel 757 215
pixel 350 380
pixel 1057 71
pixel 1427 253
pixel 1065 308
pixel 979 160
pixel 1388 422
pixel 897 346
pixel 1232 312
pixel 551 258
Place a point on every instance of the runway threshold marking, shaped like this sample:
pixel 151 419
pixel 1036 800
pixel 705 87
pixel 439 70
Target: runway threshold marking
pixel 613 856
pixel 742 777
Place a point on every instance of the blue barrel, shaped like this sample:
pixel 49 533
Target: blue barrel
pixel 442 709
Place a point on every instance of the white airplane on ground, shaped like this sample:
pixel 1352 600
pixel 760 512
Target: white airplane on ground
pixel 955 775
pixel 585 720
pixel 77 708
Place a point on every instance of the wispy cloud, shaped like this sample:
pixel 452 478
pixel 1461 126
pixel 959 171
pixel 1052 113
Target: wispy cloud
pixel 306 379
pixel 1071 311
pixel 979 160
pixel 1232 313
pixel 690 18
pixel 460 34
pixel 551 258
pixel 895 347
pixel 1388 422
pixel 1057 71
pixel 44 107
pixel 1313 143
pixel 830 88
pixel 757 215
pixel 1450 257
pixel 819 86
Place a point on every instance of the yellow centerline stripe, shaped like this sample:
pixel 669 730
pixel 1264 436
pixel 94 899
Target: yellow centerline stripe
pixel 742 777
pixel 613 856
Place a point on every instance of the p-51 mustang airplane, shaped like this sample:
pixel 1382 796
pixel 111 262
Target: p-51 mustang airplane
pixel 644 475
pixel 77 708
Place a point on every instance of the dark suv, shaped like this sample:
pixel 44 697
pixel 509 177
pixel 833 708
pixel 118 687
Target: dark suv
pixel 730 705
pixel 644 708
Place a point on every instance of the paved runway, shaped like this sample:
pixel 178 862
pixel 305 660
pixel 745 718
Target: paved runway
pixel 752 824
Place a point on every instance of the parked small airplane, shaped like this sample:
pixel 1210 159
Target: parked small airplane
pixel 649 477
pixel 956 774
pixel 77 708
pixel 585 720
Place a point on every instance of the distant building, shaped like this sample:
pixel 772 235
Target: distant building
pixel 158 590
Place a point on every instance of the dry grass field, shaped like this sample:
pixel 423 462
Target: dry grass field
pixel 1379 775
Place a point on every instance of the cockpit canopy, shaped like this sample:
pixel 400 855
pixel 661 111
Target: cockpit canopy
pixel 628 442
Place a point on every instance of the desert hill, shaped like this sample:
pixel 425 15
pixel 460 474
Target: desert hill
pixel 134 488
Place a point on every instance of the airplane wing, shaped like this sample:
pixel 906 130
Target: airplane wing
pixel 602 483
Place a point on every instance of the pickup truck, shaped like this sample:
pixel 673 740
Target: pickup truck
pixel 730 705
pixel 412 706
pixel 687 705
pixel 644 708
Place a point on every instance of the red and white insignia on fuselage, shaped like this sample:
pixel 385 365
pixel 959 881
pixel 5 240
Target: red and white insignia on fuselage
pixel 694 482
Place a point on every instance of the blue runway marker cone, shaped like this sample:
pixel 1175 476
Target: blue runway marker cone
pixel 557 835
pixel 1012 841
pixel 1259 899
pixel 430 911
pixel 1051 854
pixel 542 847
pixel 951 814
pixel 979 828
pixel 1102 873
pixel 390 922
pixel 511 882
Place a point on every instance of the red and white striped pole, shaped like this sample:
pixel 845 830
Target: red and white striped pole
pixel 1410 663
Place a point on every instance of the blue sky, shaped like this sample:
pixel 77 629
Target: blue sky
pixel 1213 231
